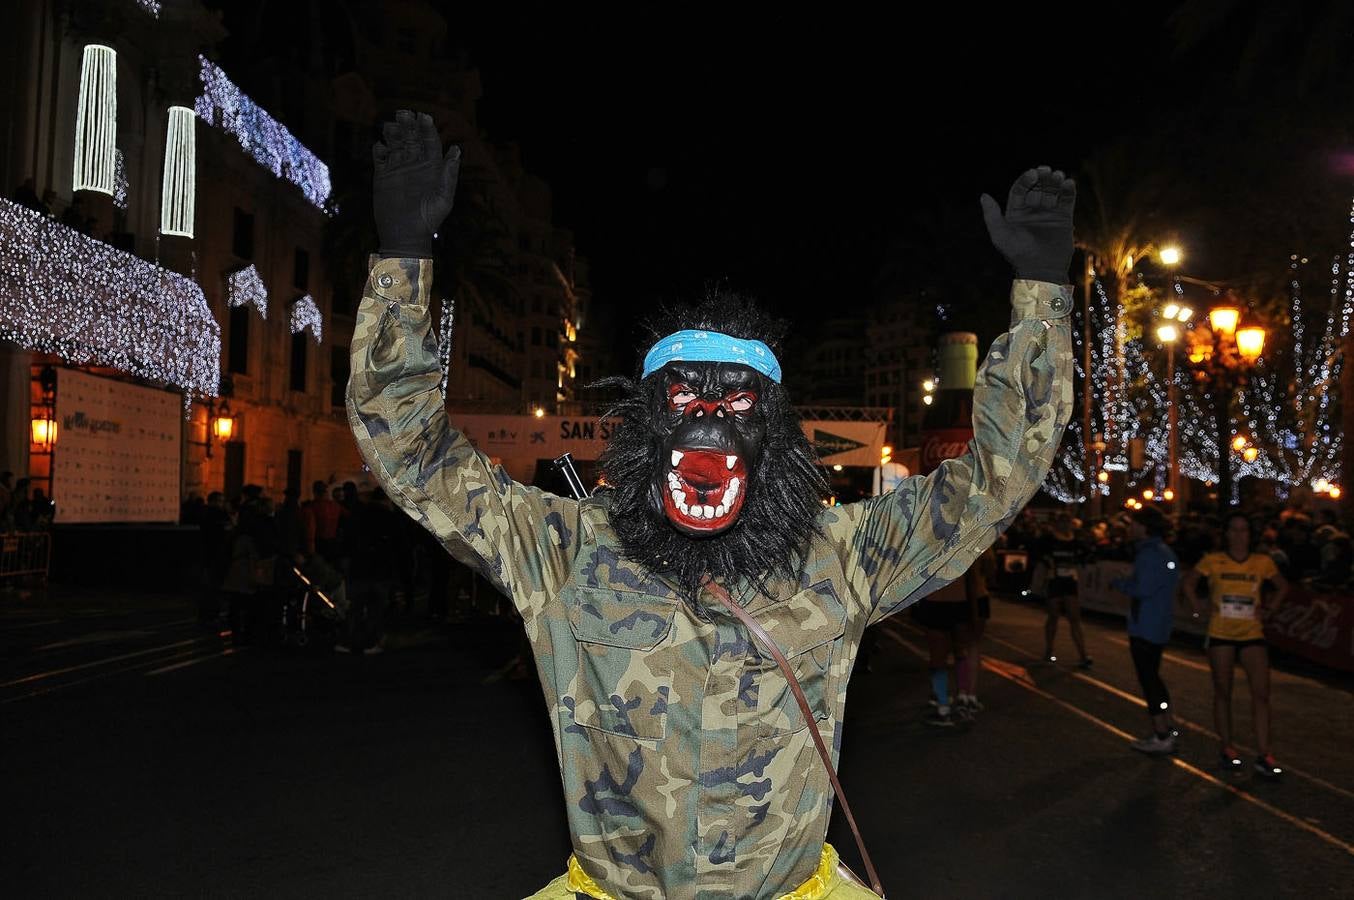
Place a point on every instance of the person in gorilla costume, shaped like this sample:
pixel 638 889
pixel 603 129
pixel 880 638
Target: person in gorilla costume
pixel 689 771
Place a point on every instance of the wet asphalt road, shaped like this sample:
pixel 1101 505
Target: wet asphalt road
pixel 145 756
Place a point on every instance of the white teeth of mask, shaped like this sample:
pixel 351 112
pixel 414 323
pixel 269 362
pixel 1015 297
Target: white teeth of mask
pixel 678 497
pixel 676 457
pixel 729 461
pixel 709 512
pixel 695 512
pixel 720 511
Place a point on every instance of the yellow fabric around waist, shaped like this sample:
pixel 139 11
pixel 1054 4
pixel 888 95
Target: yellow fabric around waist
pixel 819 885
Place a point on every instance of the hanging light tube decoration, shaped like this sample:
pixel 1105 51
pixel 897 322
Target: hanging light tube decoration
pixel 305 314
pixel 178 192
pixel 223 105
pixel 96 120
pixel 245 286
pixel 92 304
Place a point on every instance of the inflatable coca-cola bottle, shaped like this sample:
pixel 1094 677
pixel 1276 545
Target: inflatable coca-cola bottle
pixel 948 425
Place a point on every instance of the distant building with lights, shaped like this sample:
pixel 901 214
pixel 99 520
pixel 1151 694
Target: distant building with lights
pixel 160 187
pixel 214 261
pixel 522 296
pixel 899 337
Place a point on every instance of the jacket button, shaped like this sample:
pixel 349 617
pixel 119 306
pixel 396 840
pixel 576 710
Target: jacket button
pixel 1057 304
pixel 385 280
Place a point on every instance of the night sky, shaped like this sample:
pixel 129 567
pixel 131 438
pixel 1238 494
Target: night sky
pixel 783 152
pixel 799 156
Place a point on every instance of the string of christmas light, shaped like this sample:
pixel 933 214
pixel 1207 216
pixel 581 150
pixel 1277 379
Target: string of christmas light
pixel 89 303
pixel 223 105
pixel 444 340
pixel 120 184
pixel 245 286
pixel 96 120
pixel 150 6
pixel 305 314
pixel 178 191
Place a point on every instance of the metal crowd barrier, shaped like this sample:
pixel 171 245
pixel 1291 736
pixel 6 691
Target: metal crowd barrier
pixel 25 553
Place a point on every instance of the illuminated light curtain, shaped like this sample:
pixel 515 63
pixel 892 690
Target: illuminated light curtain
pixel 245 286
pixel 223 105
pixel 178 194
pixel 120 184
pixel 92 304
pixel 305 314
pixel 96 120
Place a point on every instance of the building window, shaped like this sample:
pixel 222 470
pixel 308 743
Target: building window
pixel 338 375
pixel 294 470
pixel 242 244
pixel 535 337
pixel 300 272
pixel 298 361
pixel 238 360
pixel 341 301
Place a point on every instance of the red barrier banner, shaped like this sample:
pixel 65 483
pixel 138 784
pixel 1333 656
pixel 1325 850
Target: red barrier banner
pixel 1314 624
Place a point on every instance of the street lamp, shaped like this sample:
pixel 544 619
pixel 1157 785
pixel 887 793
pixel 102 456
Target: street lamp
pixel 1224 318
pixel 1250 341
pixel 1174 316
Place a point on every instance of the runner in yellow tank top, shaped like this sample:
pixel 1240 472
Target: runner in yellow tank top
pixel 1236 584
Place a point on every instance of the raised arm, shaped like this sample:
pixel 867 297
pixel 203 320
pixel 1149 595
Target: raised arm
pixel 929 530
pixel 522 539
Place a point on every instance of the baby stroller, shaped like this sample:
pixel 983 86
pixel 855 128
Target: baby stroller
pixel 313 606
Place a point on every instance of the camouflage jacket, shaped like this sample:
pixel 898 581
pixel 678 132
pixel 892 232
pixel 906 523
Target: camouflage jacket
pixel 687 768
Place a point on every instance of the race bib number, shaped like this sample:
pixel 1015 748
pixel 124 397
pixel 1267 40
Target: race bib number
pixel 1237 606
pixel 1065 572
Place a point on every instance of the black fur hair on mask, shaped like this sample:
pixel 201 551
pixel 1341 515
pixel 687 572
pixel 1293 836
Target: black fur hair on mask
pixel 785 490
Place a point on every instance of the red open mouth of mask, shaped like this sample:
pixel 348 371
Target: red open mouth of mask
pixel 704 489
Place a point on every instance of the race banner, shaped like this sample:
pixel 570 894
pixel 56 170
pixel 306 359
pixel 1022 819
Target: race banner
pixel 546 437
pixel 117 452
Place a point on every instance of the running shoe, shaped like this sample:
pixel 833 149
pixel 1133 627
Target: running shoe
pixel 1085 664
pixel 970 703
pixel 1229 760
pixel 1266 767
pixel 1050 658
pixel 1155 745
pixel 939 717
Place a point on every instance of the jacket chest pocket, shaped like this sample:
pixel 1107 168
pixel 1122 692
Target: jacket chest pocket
pixel 808 629
pixel 623 680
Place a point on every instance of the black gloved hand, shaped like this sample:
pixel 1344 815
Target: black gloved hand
pixel 1035 235
pixel 414 185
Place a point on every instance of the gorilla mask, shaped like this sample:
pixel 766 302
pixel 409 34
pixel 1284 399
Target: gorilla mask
pixel 714 439
pixel 709 472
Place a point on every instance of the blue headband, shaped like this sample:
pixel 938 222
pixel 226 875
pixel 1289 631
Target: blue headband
pixel 711 346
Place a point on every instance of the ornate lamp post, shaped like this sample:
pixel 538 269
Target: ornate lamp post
pixel 1222 366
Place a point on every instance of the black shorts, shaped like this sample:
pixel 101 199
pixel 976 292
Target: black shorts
pixel 984 607
pixel 1061 586
pixel 941 615
pixel 1211 641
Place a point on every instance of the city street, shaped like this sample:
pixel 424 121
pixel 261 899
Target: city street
pixel 144 756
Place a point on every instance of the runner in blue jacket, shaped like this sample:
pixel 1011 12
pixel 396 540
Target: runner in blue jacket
pixel 1156 570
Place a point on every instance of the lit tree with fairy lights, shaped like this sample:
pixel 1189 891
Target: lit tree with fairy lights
pixel 1288 410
